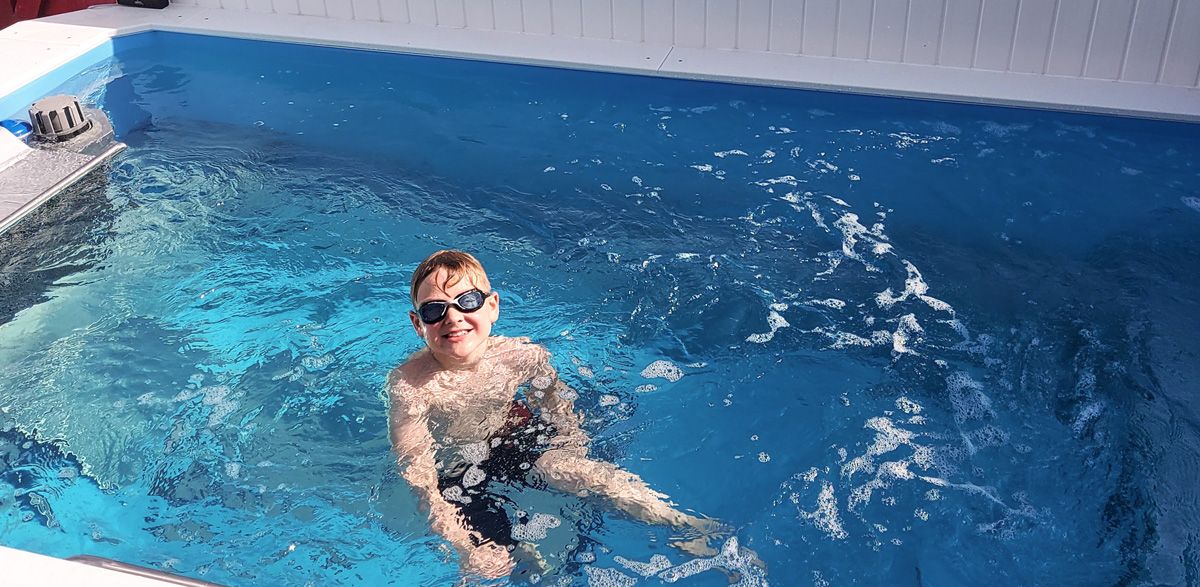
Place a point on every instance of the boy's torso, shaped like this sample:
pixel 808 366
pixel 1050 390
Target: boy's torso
pixel 469 406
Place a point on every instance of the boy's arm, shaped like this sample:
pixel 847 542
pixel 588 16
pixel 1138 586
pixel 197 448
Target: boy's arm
pixel 408 428
pixel 567 467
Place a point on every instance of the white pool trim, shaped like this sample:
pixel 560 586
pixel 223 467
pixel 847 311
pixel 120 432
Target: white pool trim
pixel 27 569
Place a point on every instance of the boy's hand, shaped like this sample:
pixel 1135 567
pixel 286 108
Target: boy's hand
pixel 490 561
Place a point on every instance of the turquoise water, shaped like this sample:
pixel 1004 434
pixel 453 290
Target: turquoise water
pixel 889 341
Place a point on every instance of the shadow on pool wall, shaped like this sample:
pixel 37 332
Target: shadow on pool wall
pixel 79 217
pixel 902 342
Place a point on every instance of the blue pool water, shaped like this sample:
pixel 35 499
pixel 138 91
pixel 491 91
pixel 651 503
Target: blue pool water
pixel 889 341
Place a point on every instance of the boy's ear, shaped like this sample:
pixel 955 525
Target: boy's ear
pixel 416 323
pixel 494 301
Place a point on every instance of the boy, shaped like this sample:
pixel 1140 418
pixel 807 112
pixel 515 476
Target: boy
pixel 456 421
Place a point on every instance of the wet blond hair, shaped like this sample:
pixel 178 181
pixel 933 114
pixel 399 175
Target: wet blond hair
pixel 459 265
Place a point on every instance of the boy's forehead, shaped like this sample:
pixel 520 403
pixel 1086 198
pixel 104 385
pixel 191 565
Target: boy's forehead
pixel 443 282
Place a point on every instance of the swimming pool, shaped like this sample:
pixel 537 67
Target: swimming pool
pixel 891 341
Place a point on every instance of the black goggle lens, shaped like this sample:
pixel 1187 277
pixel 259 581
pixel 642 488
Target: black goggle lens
pixel 466 302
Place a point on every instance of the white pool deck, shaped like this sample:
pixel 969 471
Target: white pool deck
pixel 32 49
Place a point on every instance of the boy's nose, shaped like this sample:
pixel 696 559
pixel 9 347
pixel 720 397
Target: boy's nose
pixel 453 314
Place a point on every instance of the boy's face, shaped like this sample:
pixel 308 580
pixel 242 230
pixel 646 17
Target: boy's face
pixel 459 338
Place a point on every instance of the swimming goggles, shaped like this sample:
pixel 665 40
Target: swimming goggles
pixel 432 312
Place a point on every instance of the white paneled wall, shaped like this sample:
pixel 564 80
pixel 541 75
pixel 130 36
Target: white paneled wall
pixel 1150 41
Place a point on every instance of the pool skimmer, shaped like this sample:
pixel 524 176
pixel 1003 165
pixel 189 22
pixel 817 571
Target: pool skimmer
pixel 65 142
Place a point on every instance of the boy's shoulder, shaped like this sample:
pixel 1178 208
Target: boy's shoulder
pixel 411 373
pixel 517 348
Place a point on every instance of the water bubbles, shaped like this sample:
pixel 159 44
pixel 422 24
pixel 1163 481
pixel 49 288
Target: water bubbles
pixel 536 528
pixel 662 369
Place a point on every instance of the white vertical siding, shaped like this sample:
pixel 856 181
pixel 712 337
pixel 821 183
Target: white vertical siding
pixel 658 17
pixel 363 9
pixel 539 17
pixel 507 15
pixel 753 25
pixel 1147 40
pixel 450 13
pixel 390 10
pixel 597 19
pixel 1110 39
pixel 286 6
pixel 340 9
pixel 312 7
pixel 854 28
pixel 1072 31
pixel 720 24
pixel 960 29
pixel 820 27
pixel 924 34
pixel 889 25
pixel 627 20
pixel 997 24
pixel 1143 41
pixel 1183 50
pixel 690 16
pixel 1031 43
pixel 787 25
pixel 421 12
pixel 568 17
pixel 478 14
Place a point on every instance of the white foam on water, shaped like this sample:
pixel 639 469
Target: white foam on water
pixel 907 406
pixel 317 363
pixel 548 169
pixel 834 303
pixel 607 400
pixel 967 398
pixel 768 154
pixel 702 167
pixel 819 112
pixel 764 457
pixel 658 563
pixel 454 493
pixel 605 577
pixel 1086 415
pixel 731 558
pixel 908 331
pixel 647 388
pixel 663 369
pixel 474 453
pixel 914 286
pixel 1191 202
pixel 724 154
pixel 826 517
pixel 775 321
pixel 474 476
pixel 1003 130
pixel 536 528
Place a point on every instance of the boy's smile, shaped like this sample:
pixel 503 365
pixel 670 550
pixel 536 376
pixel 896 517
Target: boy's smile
pixel 459 339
